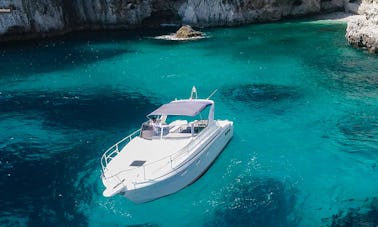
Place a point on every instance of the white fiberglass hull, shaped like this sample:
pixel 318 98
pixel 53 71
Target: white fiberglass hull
pixel 190 171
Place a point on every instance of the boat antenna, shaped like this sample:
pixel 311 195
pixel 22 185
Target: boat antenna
pixel 194 95
pixel 213 93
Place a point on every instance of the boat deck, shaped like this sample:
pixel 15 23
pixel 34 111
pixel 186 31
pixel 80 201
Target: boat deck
pixel 142 152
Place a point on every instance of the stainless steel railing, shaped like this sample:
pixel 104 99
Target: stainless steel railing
pixel 158 168
pixel 114 150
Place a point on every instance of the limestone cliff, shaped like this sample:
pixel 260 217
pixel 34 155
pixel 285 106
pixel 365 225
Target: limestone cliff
pixel 28 18
pixel 234 12
pixel 363 32
pixel 42 17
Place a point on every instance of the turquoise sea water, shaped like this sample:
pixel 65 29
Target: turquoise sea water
pixel 303 102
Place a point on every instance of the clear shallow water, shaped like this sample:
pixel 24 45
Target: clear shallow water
pixel 304 106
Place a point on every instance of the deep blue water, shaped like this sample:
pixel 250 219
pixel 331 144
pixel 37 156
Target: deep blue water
pixel 303 102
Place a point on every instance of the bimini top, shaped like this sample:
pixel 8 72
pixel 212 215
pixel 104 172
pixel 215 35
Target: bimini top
pixel 182 107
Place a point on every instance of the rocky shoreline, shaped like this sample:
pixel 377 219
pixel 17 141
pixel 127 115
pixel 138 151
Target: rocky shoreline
pixel 363 31
pixel 26 19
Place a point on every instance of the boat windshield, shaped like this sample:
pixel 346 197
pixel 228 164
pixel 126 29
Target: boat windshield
pixel 156 129
pixel 151 130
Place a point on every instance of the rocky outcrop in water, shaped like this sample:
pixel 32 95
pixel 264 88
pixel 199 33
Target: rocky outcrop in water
pixel 184 33
pixel 363 32
pixel 187 32
pixel 28 18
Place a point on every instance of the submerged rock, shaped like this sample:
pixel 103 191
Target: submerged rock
pixel 360 128
pixel 260 93
pixel 363 32
pixel 357 133
pixel 255 202
pixel 275 99
pixel 364 216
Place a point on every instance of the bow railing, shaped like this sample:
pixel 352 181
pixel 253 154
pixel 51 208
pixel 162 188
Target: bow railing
pixel 161 167
pixel 114 150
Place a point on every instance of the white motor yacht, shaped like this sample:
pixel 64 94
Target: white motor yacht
pixel 170 151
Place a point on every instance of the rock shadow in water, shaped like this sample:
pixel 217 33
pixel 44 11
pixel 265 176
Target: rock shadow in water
pixel 53 56
pixel 366 216
pixel 346 73
pixel 358 132
pixel 255 202
pixel 42 191
pixel 50 189
pixel 355 83
pixel 276 98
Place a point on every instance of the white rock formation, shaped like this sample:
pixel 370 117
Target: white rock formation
pixel 234 12
pixel 363 32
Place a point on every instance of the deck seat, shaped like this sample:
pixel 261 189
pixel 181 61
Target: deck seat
pixel 175 125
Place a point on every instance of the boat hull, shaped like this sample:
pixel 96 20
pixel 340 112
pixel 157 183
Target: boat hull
pixel 187 173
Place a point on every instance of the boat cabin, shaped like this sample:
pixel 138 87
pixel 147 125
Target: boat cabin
pixel 178 119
